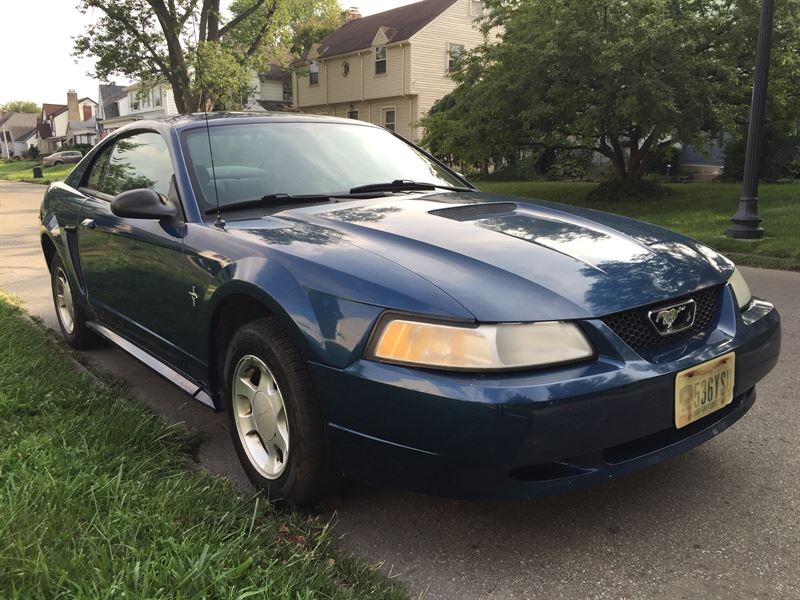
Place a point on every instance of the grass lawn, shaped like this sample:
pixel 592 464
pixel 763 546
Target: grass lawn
pixel 97 500
pixel 699 210
pixel 22 170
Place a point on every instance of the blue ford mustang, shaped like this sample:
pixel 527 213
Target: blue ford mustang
pixel 359 309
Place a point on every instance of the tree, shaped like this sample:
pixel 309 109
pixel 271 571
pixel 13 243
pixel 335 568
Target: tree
pixel 780 139
pixel 205 57
pixel 313 29
pixel 620 78
pixel 25 106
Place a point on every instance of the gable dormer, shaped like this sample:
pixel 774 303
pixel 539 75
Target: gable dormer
pixel 313 52
pixel 381 37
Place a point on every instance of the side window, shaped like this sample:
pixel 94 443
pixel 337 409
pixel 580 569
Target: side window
pixel 380 60
pixel 389 119
pixel 139 161
pixel 95 179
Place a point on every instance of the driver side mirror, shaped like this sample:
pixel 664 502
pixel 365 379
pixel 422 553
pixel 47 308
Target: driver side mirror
pixel 143 203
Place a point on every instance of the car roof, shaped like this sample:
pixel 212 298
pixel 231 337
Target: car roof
pixel 216 119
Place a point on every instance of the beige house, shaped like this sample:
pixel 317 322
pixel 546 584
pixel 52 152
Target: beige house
pixel 388 68
pixel 55 119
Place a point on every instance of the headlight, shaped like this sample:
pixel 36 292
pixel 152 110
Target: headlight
pixel 740 289
pixel 482 348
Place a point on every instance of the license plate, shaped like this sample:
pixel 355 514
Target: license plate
pixel 703 389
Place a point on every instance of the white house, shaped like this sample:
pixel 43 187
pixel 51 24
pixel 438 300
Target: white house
pixel 82 132
pixel 16 129
pixel 271 89
pixel 122 105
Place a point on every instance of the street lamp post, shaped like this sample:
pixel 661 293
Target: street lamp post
pixel 746 223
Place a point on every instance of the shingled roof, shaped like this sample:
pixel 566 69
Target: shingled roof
pixel 43 131
pixel 110 94
pixel 53 109
pixel 401 23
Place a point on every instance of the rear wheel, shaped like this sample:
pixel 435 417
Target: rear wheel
pixel 70 315
pixel 274 416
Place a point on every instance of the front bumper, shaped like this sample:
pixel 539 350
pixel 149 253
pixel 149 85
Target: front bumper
pixel 519 436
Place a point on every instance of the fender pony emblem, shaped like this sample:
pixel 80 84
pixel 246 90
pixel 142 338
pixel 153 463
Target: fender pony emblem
pixel 194 296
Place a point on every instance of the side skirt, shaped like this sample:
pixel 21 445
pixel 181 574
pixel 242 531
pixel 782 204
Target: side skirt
pixel 167 372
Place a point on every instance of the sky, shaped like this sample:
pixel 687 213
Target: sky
pixel 37 61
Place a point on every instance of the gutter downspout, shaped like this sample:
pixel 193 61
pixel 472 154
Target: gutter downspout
pixel 5 140
pixel 403 47
pixel 325 62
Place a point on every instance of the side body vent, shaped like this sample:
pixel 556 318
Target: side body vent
pixel 471 212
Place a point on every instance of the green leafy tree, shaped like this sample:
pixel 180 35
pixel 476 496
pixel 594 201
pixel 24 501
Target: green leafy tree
pixel 25 106
pixel 205 57
pixel 622 79
pixel 779 147
pixel 313 29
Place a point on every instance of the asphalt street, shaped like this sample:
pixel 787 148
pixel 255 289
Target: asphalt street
pixel 721 522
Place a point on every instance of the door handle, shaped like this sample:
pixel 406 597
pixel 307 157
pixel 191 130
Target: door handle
pixel 89 223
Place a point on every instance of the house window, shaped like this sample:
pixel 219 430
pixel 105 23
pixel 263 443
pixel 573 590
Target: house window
pixel 133 101
pixel 389 119
pixel 157 97
pixel 476 8
pixel 313 77
pixel 352 114
pixel 287 91
pixel 345 69
pixel 455 56
pixel 380 60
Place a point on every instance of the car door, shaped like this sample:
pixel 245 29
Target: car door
pixel 133 267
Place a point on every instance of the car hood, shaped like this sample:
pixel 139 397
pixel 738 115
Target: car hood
pixel 509 259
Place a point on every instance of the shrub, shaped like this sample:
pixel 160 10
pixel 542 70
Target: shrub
pixel 777 152
pixel 616 191
pixel 663 161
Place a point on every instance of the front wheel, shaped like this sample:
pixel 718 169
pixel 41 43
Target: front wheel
pixel 58 162
pixel 274 416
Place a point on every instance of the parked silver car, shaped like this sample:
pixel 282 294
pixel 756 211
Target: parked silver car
pixel 60 158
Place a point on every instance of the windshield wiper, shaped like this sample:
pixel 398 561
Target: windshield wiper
pixel 406 185
pixel 267 199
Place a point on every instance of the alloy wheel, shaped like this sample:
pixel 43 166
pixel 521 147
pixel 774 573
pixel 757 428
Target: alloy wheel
pixel 64 302
pixel 260 415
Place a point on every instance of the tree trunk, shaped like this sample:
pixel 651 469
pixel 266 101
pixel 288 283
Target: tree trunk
pixel 629 169
pixel 178 74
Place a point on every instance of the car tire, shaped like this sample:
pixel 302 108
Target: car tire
pixel 275 419
pixel 70 314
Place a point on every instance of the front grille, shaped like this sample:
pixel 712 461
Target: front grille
pixel 471 212
pixel 636 330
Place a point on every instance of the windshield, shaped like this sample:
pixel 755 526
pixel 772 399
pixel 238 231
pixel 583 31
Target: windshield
pixel 254 160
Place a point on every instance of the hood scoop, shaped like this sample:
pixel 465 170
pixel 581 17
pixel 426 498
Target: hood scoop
pixel 473 212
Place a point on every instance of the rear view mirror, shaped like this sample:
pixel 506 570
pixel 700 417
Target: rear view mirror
pixel 143 203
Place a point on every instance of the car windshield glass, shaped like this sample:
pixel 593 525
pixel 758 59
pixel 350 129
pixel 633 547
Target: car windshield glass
pixel 254 160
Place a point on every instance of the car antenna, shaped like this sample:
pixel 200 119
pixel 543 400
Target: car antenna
pixel 219 221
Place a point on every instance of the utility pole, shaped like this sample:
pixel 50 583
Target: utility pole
pixel 746 223
pixel 5 140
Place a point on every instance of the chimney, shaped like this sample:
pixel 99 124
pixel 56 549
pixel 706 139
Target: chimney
pixel 72 106
pixel 350 14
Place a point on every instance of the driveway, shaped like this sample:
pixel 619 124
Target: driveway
pixel 721 522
